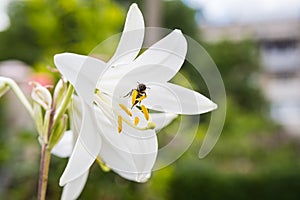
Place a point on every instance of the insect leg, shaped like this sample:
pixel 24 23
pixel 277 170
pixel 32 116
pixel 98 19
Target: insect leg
pixel 128 94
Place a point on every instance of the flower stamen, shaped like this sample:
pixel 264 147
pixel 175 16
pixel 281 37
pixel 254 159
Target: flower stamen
pixel 145 112
pixel 119 124
pixel 103 103
pixel 136 121
pixel 125 109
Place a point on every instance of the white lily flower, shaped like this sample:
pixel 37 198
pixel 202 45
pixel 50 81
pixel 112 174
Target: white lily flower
pixel 64 147
pixel 131 153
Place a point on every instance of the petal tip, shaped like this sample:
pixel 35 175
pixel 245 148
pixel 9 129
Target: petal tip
pixel 142 178
pixel 62 182
pixel 60 55
pixel 178 31
pixel 134 8
pixel 57 56
pixel 134 5
pixel 214 106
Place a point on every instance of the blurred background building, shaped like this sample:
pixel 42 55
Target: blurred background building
pixel 279 45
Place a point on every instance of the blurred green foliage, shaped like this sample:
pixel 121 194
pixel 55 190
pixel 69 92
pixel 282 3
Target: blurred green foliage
pixel 41 28
pixel 252 159
pixel 239 65
pixel 178 16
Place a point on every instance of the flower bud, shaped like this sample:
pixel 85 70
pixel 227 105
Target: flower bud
pixel 38 118
pixel 41 95
pixel 59 92
pixel 58 131
pixel 102 165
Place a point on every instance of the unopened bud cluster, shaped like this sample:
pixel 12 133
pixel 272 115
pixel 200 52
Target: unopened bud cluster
pixel 46 106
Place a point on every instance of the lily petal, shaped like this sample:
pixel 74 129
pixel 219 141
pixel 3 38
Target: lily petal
pixel 132 37
pixel 70 65
pixel 81 71
pixel 73 189
pixel 86 148
pixel 131 154
pixel 162 120
pixel 75 114
pixel 159 63
pixel 169 52
pixel 171 98
pixel 64 147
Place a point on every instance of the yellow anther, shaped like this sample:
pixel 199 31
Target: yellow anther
pixel 119 124
pixel 145 112
pixel 136 121
pixel 125 109
pixel 134 95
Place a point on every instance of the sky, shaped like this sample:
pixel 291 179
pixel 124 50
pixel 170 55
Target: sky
pixel 245 11
pixel 223 11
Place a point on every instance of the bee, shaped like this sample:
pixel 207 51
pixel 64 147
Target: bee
pixel 138 94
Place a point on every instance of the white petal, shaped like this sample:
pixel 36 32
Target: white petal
pixel 70 64
pixel 131 153
pixel 162 120
pixel 82 72
pixel 169 53
pixel 86 148
pixel 132 37
pixel 171 98
pixel 159 63
pixel 76 115
pixel 64 147
pixel 73 189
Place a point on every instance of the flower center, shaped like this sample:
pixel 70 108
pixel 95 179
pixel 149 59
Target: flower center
pixel 131 115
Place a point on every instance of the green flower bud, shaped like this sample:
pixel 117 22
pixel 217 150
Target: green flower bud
pixel 102 165
pixel 58 131
pixel 59 92
pixel 38 118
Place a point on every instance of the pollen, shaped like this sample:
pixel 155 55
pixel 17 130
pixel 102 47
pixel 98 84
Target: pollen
pixel 145 112
pixel 136 121
pixel 119 124
pixel 128 112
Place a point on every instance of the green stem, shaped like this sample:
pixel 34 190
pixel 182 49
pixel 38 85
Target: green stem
pixel 44 172
pixel 12 84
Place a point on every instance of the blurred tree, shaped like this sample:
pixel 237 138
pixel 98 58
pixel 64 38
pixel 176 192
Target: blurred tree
pixel 41 28
pixel 239 65
pixel 177 15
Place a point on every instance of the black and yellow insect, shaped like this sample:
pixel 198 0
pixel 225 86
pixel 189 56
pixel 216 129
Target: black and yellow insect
pixel 138 94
